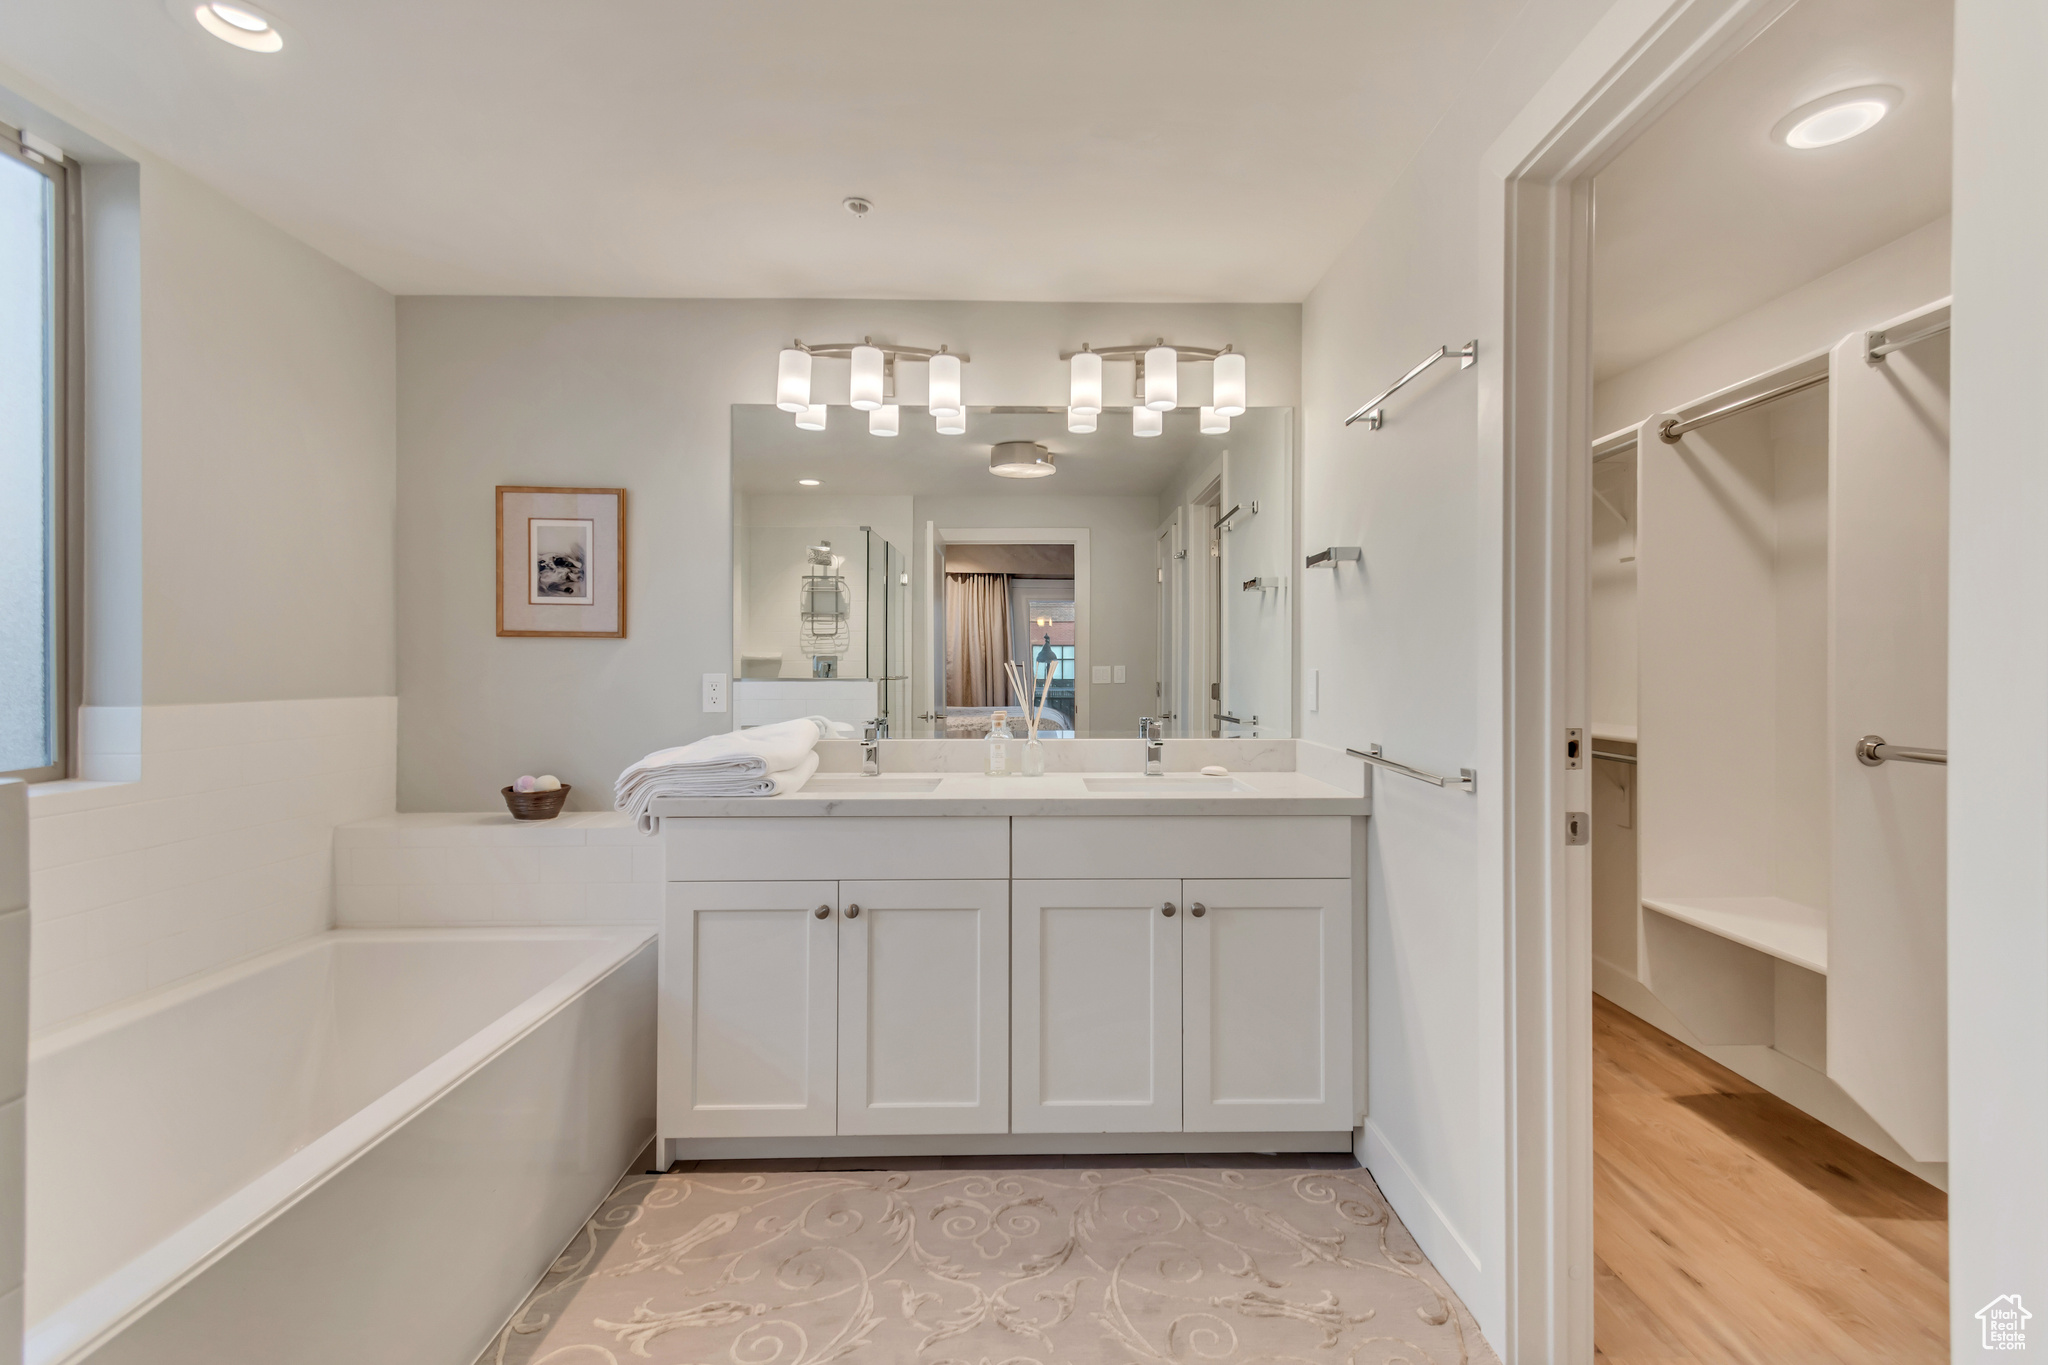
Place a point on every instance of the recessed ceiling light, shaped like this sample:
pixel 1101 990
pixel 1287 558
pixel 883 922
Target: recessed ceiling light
pixel 1837 117
pixel 808 483
pixel 245 26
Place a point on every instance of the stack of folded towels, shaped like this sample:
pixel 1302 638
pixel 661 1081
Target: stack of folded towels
pixel 764 761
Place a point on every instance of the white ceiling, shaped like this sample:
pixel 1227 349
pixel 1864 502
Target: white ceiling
pixel 1147 150
pixel 769 453
pixel 1704 217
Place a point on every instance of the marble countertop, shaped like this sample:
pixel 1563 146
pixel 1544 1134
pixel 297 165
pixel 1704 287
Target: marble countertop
pixel 1330 788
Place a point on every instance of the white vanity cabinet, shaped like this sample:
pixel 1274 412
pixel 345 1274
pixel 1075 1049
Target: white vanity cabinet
pixel 1019 981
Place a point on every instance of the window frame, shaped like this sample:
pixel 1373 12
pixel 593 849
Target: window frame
pixel 65 513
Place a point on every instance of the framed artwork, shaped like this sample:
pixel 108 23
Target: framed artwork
pixel 562 562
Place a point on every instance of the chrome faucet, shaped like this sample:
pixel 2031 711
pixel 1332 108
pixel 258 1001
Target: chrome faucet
pixel 1150 730
pixel 871 747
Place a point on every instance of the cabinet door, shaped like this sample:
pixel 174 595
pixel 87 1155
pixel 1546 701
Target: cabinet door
pixel 924 1007
pixel 1267 1004
pixel 749 989
pixel 1095 1027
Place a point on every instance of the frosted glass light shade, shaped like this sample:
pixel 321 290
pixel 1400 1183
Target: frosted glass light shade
pixel 811 418
pixel 882 420
pixel 867 377
pixel 1147 422
pixel 1079 421
pixel 793 380
pixel 945 384
pixel 1229 393
pixel 1162 379
pixel 953 423
pixel 1214 423
pixel 1084 385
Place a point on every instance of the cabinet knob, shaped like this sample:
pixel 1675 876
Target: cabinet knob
pixel 853 912
pixel 1197 909
pixel 824 912
pixel 1167 909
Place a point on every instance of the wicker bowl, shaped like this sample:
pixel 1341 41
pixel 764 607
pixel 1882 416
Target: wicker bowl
pixel 536 805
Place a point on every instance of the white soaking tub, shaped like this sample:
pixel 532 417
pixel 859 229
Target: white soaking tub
pixel 364 1147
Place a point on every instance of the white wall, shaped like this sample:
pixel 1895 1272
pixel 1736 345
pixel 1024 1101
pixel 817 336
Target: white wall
pixel 1894 279
pixel 638 394
pixel 14 949
pixel 1998 675
pixel 1405 651
pixel 241 399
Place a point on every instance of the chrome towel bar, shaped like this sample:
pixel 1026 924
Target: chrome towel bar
pixel 1370 413
pixel 1466 780
pixel 1871 750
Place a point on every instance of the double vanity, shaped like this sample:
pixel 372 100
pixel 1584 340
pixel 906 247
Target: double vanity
pixel 930 961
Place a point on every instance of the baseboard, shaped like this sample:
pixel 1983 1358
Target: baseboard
pixel 998 1144
pixel 1799 1085
pixel 1426 1221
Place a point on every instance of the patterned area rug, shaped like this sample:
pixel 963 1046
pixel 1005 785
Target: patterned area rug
pixel 1022 1267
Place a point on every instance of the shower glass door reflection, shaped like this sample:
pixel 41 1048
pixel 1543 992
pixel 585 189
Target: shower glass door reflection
pixel 1042 636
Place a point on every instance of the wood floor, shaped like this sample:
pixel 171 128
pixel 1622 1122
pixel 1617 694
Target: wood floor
pixel 1730 1227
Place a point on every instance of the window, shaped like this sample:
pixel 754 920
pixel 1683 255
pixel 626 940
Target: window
pixel 35 229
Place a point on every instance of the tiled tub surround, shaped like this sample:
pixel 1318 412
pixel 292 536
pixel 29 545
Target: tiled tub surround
pixel 583 867
pixel 363 1139
pixel 209 838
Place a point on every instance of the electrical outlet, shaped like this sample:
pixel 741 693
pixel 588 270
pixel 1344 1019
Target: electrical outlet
pixel 1118 674
pixel 714 691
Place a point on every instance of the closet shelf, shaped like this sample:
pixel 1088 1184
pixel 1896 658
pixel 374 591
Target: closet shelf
pixel 1604 729
pixel 1783 929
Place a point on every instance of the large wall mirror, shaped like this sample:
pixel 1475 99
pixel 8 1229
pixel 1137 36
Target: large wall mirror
pixel 892 577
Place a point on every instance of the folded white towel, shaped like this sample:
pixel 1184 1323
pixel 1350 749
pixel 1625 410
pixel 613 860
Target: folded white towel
pixel 763 761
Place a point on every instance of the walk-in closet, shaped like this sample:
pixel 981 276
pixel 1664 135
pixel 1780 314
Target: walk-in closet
pixel 1766 592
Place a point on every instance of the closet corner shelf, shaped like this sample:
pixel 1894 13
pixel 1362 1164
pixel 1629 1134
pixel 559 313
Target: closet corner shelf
pixel 1784 929
pixel 1621 734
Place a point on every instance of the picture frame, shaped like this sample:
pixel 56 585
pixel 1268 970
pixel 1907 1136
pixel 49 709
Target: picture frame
pixel 561 562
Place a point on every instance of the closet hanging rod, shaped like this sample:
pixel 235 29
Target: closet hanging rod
pixel 1615 758
pixel 1466 780
pixel 1370 413
pixel 1871 750
pixel 1671 428
pixel 1878 345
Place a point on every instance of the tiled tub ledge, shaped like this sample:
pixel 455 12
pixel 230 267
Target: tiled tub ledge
pixel 485 868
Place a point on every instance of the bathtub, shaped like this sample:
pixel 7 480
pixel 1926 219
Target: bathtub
pixel 363 1147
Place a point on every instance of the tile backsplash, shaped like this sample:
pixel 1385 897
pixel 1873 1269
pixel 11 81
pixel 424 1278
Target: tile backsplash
pixel 196 835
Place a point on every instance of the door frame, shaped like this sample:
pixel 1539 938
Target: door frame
pixel 1076 536
pixel 1535 507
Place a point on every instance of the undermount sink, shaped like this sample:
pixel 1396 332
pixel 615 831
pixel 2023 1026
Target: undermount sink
pixel 853 784
pixel 1177 785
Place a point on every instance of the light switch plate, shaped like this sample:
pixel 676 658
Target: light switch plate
pixel 1118 674
pixel 1098 673
pixel 714 692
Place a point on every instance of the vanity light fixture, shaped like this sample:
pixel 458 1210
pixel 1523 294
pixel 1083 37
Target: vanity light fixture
pixel 1156 380
pixel 1230 389
pixel 1084 384
pixel 1147 421
pixel 244 26
pixel 1080 422
pixel 1837 117
pixel 811 418
pixel 953 423
pixel 867 387
pixel 793 379
pixel 1214 423
pixel 944 378
pixel 882 420
pixel 1020 460
pixel 873 383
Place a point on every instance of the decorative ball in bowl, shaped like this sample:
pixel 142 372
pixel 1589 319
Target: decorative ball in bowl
pixel 533 798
